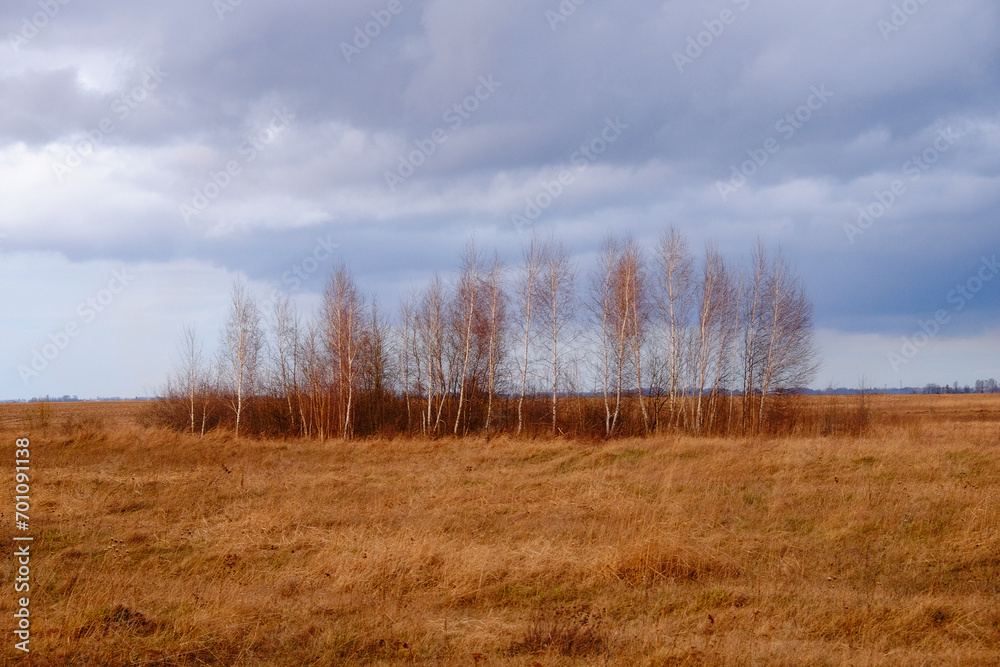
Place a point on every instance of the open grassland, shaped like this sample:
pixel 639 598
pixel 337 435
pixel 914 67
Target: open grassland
pixel 157 548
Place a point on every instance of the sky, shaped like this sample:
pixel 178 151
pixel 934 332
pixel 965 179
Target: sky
pixel 151 152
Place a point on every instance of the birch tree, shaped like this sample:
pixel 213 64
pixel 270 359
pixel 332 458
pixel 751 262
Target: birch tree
pixel 527 295
pixel 676 271
pixel 789 359
pixel 463 318
pixel 343 318
pixel 557 303
pixel 496 306
pixel 708 315
pixel 609 307
pixel 241 345
pixel 189 370
pixel 632 300
pixel 753 320
pixel 314 412
pixel 375 371
pixel 409 362
pixel 429 337
pixel 284 330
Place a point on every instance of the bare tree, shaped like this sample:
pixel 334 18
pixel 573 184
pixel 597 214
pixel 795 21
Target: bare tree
pixel 284 339
pixel 733 358
pixel 526 294
pixel 241 344
pixel 633 303
pixel 430 332
pixel 754 332
pixel 600 310
pixel 710 310
pixel 676 272
pixel 314 412
pixel 408 359
pixel 716 343
pixel 725 332
pixel 619 300
pixel 610 310
pixel 343 318
pixel 208 390
pixel 790 357
pixel 189 370
pixel 557 301
pixel 375 369
pixel 496 306
pixel 464 317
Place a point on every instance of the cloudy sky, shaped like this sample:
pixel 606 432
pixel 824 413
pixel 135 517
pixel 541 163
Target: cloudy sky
pixel 151 151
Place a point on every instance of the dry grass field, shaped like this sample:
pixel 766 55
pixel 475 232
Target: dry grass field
pixel 157 548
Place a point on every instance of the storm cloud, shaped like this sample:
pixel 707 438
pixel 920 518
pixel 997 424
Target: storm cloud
pixel 191 141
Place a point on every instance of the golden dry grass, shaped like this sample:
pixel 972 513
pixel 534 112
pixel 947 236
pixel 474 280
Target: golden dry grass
pixel 156 548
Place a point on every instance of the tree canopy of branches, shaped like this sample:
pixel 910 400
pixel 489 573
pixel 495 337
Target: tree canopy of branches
pixel 658 342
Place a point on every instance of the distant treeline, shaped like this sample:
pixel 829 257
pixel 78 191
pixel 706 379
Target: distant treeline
pixel 540 347
pixel 981 387
pixel 66 398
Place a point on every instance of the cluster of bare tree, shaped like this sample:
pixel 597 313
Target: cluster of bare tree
pixel 655 342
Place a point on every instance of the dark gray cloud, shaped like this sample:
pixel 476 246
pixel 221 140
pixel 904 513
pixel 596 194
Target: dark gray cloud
pixel 863 139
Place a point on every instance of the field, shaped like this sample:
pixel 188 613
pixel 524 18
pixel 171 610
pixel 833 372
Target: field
pixel 158 548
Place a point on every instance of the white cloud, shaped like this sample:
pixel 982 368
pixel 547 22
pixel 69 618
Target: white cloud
pixel 325 172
